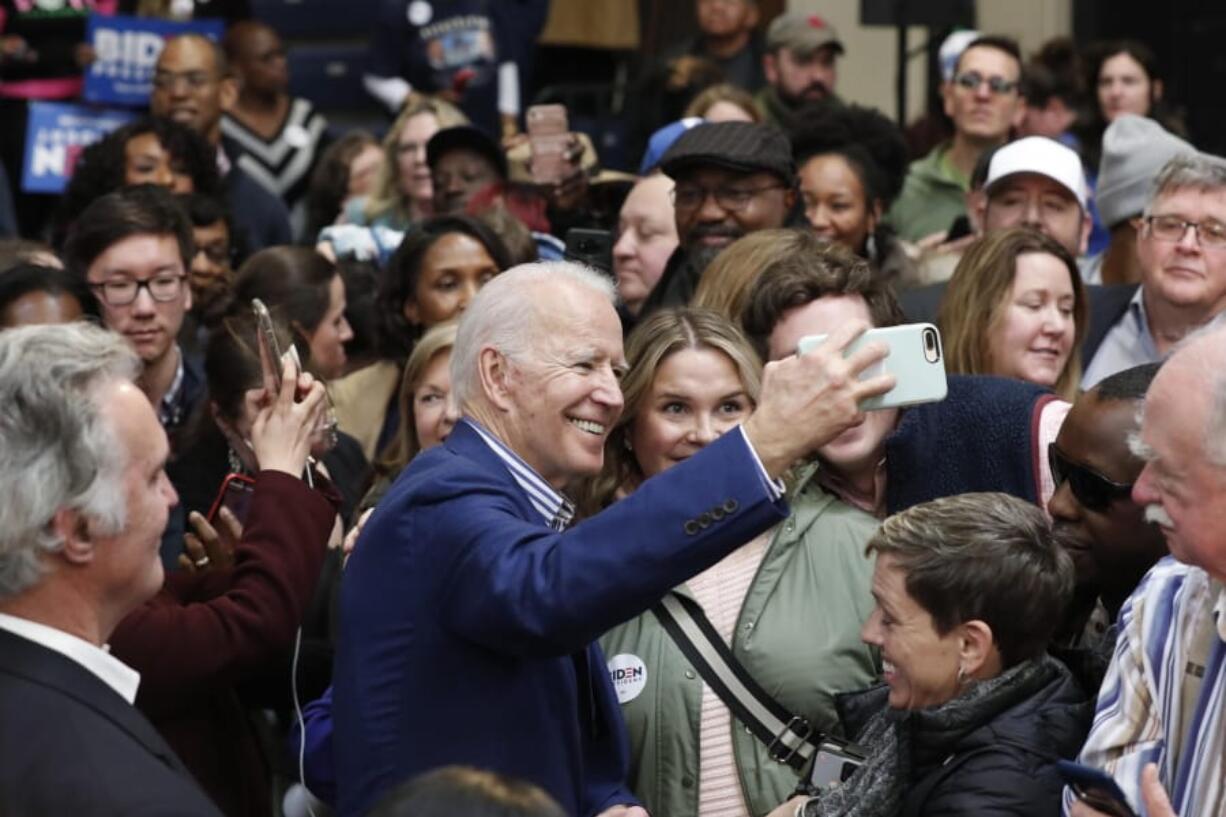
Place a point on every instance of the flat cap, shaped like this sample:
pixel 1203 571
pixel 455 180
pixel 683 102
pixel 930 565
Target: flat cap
pixel 743 146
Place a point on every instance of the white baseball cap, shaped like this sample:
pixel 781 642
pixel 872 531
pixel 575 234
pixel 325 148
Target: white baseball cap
pixel 1041 155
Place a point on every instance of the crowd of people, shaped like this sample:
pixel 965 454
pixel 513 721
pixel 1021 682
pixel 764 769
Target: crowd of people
pixel 386 474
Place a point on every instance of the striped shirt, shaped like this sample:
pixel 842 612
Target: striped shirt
pixel 557 510
pixel 1163 699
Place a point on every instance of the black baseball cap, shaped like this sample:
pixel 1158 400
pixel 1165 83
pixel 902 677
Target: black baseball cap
pixel 468 138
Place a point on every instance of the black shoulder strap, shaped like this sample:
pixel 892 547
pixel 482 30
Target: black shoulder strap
pixel 789 738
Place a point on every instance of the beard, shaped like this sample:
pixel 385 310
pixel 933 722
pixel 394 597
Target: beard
pixel 701 255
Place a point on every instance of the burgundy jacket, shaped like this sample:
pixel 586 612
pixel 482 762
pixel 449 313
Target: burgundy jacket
pixel 203 633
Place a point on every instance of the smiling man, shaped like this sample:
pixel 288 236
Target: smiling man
pixel 192 85
pixel 1181 246
pixel 469 611
pixel 732 178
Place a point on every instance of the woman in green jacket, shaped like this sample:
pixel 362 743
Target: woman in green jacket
pixel 789 603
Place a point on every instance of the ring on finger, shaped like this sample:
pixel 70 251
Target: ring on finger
pixel 201 562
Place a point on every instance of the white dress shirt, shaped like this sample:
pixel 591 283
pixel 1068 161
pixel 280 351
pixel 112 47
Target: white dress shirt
pixel 113 672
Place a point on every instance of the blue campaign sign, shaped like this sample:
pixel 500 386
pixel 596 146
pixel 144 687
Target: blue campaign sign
pixel 126 50
pixel 56 135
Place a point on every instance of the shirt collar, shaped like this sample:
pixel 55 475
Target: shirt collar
pixel 1219 609
pixel 554 507
pixel 170 410
pixel 109 669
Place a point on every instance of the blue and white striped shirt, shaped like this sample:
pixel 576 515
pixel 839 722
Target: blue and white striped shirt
pixel 1144 715
pixel 557 510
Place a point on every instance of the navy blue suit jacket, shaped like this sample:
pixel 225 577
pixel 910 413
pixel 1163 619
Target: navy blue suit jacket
pixel 467 623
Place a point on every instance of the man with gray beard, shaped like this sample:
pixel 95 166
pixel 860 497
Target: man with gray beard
pixel 1160 729
pixel 732 178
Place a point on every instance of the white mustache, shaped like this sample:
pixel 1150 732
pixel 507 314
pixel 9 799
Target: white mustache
pixel 1158 515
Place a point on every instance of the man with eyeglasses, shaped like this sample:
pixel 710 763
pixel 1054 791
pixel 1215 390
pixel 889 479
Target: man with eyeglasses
pixel 732 179
pixel 1104 530
pixel 192 85
pixel 1181 247
pixel 984 101
pixel 133 249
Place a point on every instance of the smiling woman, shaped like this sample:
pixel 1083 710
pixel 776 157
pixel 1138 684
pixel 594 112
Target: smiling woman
pixel 801 589
pixel 974 713
pixel 1015 307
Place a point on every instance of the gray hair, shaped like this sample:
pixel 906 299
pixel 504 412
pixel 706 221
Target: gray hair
pixel 59 451
pixel 1197 171
pixel 1208 344
pixel 986 556
pixel 506 315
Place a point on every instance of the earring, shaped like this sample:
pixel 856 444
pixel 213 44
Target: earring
pixel 870 248
pixel 961 677
pixel 236 464
pixel 627 444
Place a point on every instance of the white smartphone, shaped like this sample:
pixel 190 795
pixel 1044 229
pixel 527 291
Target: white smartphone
pixel 915 360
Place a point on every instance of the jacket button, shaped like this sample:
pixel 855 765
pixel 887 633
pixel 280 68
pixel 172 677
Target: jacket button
pixel 689 673
pixel 717 513
pixel 704 521
pixel 748 625
pixel 687 782
pixel 731 505
pixel 691 527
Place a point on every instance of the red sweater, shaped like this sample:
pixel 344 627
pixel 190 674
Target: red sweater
pixel 203 633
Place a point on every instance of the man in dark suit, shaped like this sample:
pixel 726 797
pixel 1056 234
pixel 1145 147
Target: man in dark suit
pixel 83 503
pixel 469 611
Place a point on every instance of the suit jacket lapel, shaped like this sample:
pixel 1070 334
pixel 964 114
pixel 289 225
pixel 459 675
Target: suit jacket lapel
pixel 464 441
pixel 34 662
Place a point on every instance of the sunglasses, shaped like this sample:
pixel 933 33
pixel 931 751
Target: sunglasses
pixel 971 80
pixel 1094 491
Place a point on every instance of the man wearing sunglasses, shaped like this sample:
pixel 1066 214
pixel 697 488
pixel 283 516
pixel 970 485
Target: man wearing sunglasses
pixel 1181 247
pixel 984 101
pixel 1103 528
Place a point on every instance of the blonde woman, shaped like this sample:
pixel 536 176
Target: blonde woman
pixel 1015 307
pixel 788 603
pixel 403 193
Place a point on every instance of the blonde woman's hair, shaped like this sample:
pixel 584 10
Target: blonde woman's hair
pixel 405 446
pixel 651 343
pixel 387 197
pixel 724 92
pixel 978 294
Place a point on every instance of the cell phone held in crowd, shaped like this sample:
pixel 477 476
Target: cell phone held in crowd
pixel 1095 788
pixel 549 138
pixel 915 360
pixel 235 495
pixel 832 763
pixel 271 360
pixel 591 247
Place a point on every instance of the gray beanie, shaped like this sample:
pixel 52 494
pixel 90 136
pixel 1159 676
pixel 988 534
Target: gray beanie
pixel 1135 148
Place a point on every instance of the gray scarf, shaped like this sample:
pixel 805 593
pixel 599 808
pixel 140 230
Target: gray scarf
pixel 892 737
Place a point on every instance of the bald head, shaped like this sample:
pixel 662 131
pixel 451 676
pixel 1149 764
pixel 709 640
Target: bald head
pixel 257 56
pixel 192 85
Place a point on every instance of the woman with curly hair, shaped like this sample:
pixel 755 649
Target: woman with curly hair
pixel 150 150
pixel 852 162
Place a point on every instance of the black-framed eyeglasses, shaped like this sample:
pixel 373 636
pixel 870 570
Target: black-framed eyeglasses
pixel 167 80
pixel 1094 491
pixel 971 80
pixel 1173 228
pixel 162 288
pixel 732 199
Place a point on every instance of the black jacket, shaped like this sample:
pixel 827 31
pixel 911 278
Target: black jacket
pixel 1005 766
pixel 71 745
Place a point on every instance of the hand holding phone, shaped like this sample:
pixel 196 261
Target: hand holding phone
pixel 1095 788
pixel 914 359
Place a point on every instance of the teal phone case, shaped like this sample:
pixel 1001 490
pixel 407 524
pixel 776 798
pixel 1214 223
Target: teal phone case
pixel 919 371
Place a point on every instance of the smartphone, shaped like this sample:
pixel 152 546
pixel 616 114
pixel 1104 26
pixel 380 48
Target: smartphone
pixel 591 247
pixel 235 494
pixel 915 360
pixel 1096 788
pixel 549 137
pixel 832 764
pixel 270 359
